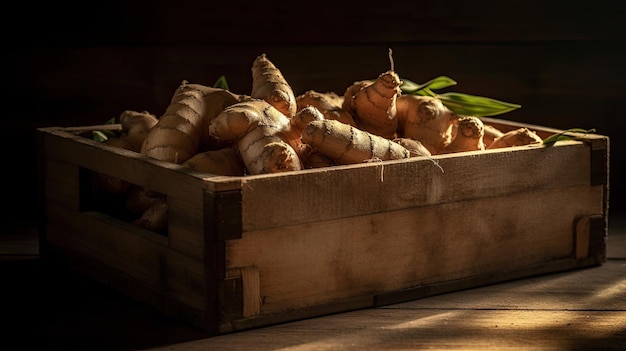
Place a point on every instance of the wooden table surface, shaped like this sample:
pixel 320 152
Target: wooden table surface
pixel 44 308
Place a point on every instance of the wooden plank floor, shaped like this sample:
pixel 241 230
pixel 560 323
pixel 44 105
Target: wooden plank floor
pixel 585 309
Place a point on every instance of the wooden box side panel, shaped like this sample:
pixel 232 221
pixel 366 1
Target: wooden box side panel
pixel 170 271
pixel 311 264
pixel 185 190
pixel 341 192
pixel 61 184
pixel 143 258
pixel 133 251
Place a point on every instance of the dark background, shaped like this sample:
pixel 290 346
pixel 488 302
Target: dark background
pixel 82 64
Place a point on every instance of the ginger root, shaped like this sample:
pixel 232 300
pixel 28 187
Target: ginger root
pixel 415 147
pixel 269 84
pixel 373 104
pixel 135 127
pixel 263 134
pixel 491 134
pixel 469 135
pixel 329 104
pixel 181 131
pixel 516 137
pixel 345 144
pixel 225 161
pixel 426 119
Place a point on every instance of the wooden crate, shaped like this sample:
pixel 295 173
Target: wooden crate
pixel 244 252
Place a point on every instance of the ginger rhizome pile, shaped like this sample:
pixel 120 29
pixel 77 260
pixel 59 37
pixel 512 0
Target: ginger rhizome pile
pixel 263 134
pixel 271 129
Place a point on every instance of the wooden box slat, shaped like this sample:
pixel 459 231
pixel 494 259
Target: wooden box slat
pixel 425 245
pixel 335 193
pixel 62 184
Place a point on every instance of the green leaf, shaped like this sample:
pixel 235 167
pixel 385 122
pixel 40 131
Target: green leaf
pixel 462 104
pixel 441 82
pixel 426 92
pixel 221 83
pixel 564 136
pixel 110 134
pixel 104 135
pixel 99 136
pixel 473 105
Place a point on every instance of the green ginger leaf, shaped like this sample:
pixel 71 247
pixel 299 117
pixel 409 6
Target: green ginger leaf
pixel 104 135
pixel 221 83
pixel 99 136
pixel 565 136
pixel 462 104
pixel 473 105
pixel 441 82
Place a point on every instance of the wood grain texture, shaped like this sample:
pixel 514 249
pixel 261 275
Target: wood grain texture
pixel 433 328
pixel 125 252
pixel 66 154
pixel 346 191
pixel 343 258
pixel 576 310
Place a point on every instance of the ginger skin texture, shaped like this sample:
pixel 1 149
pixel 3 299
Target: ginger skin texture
pixel 427 120
pixel 516 137
pixel 345 144
pixel 181 131
pixel 329 104
pixel 373 104
pixel 263 134
pixel 415 147
pixel 135 128
pixel 469 135
pixel 269 84
pixel 491 134
pixel 225 161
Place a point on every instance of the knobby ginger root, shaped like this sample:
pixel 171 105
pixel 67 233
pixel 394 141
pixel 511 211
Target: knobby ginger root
pixel 303 117
pixel 264 136
pixel 135 127
pixel 269 84
pixel 182 130
pixel 373 104
pixel 329 104
pixel 225 161
pixel 415 147
pixel 469 135
pixel 316 159
pixel 491 134
pixel 426 119
pixel 516 137
pixel 310 157
pixel 345 144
